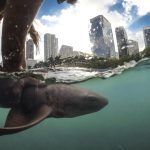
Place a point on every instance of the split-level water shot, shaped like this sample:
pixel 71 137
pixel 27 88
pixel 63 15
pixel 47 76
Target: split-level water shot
pixel 74 75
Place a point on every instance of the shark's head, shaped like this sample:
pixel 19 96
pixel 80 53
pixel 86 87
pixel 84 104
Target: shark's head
pixel 69 101
pixel 32 102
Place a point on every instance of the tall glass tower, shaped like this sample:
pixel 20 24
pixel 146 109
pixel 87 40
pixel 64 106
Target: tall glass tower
pixel 122 40
pixel 147 36
pixel 133 47
pixel 101 37
pixel 66 51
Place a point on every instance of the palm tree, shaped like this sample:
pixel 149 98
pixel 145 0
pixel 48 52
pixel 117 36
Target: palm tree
pixel 51 62
pixel 68 61
pixel 39 65
pixel 146 52
pixel 58 60
pixel 15 30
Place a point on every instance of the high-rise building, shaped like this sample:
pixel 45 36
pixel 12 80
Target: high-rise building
pixel 76 53
pixel 122 39
pixel 50 46
pixel 66 51
pixel 147 36
pixel 101 37
pixel 133 47
pixel 29 49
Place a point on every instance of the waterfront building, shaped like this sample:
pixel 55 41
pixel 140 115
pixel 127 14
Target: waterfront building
pixel 133 47
pixel 50 46
pixel 122 39
pixel 147 36
pixel 101 37
pixel 79 53
pixel 116 55
pixel 66 51
pixel 31 63
pixel 76 53
pixel 29 49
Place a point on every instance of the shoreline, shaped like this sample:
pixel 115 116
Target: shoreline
pixel 71 75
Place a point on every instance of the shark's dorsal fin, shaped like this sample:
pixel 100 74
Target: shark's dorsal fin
pixel 18 120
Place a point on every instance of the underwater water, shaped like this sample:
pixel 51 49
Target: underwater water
pixel 124 124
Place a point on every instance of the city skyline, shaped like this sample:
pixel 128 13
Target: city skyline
pixel 66 20
pixel 129 42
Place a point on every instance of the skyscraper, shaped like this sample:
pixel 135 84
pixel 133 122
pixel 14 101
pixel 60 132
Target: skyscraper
pixel 29 49
pixel 147 36
pixel 66 51
pixel 122 39
pixel 133 47
pixel 101 37
pixel 50 46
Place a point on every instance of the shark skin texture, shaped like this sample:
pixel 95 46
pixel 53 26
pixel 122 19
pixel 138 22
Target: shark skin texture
pixel 32 101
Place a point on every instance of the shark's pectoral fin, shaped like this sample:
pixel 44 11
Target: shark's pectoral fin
pixel 18 120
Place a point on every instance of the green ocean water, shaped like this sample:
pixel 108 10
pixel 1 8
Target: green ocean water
pixel 124 124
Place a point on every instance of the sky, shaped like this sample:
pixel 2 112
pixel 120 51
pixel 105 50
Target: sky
pixel 71 23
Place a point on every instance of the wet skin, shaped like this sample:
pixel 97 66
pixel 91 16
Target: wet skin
pixel 18 16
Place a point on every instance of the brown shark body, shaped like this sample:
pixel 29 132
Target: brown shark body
pixel 31 102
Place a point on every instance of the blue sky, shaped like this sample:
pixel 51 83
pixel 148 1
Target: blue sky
pixel 138 22
pixel 117 6
pixel 71 24
pixel 50 7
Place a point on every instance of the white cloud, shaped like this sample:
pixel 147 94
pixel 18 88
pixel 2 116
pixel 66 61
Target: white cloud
pixel 128 7
pixel 71 25
pixel 50 18
pixel 137 36
pixel 142 6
